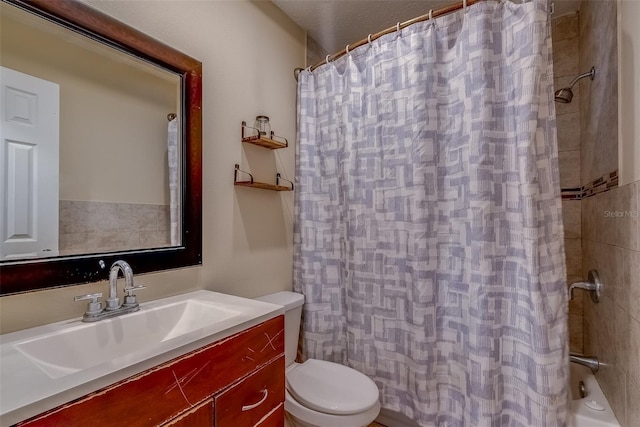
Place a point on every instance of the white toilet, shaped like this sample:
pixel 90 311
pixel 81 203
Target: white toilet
pixel 320 393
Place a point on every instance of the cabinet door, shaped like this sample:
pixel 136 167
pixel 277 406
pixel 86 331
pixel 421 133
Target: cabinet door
pixel 251 400
pixel 200 416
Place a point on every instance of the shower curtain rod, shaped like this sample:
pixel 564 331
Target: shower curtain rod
pixel 444 11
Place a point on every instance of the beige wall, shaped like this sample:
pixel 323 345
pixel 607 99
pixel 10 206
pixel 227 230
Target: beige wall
pixel 629 90
pixel 248 51
pixel 113 111
pixel 315 52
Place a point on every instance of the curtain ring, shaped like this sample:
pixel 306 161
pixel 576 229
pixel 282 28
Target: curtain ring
pixel 398 28
pixel 430 15
pixel 347 50
pixel 464 5
pixel 369 38
pixel 327 59
pixel 309 68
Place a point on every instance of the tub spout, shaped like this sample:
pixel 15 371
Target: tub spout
pixel 590 362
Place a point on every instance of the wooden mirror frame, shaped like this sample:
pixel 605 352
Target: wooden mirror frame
pixel 24 275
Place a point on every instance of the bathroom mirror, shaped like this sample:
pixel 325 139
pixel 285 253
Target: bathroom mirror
pixel 112 155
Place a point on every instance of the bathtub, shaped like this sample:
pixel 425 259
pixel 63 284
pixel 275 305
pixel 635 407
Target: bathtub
pixel 581 415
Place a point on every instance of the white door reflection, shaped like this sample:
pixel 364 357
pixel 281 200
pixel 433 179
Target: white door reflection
pixel 29 165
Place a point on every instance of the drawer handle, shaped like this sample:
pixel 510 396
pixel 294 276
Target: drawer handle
pixel 265 394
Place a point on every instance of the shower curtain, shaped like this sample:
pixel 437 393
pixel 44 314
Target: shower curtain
pixel 172 163
pixel 428 236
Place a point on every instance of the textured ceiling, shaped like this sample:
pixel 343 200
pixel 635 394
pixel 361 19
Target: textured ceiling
pixel 335 23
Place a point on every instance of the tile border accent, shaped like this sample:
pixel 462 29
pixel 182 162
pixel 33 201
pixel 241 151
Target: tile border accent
pixel 604 183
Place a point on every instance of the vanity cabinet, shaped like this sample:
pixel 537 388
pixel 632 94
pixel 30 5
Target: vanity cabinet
pixel 238 381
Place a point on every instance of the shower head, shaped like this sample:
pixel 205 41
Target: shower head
pixel 565 95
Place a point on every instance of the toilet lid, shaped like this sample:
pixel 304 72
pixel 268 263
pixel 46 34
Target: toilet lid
pixel 331 388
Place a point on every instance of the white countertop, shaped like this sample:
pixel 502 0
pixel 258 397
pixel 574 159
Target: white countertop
pixel 27 390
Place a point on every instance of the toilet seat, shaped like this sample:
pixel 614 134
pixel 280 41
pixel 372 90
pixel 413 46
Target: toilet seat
pixel 331 388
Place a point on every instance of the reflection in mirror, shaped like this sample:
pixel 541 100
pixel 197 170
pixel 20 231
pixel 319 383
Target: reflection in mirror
pixel 88 124
pixel 92 171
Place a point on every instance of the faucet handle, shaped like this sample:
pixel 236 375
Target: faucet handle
pixel 93 307
pixel 129 291
pixel 130 297
pixel 593 285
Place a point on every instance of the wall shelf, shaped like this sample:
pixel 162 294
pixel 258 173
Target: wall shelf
pixel 261 185
pixel 263 141
pixel 270 144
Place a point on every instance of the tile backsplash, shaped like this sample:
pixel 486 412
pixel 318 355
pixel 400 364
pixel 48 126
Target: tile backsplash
pixel 87 227
pixel 566 41
pixel 611 244
pixel 610 217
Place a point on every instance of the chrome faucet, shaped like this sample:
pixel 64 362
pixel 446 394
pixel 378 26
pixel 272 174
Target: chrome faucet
pixel 113 307
pixel 113 302
pixel 590 362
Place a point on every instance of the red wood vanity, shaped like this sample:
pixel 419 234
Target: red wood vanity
pixel 237 381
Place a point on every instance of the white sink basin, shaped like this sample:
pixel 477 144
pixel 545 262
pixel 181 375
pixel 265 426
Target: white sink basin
pixel 46 366
pixel 85 345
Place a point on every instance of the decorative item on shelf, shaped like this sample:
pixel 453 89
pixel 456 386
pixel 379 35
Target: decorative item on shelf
pixel 262 185
pixel 263 126
pixel 261 139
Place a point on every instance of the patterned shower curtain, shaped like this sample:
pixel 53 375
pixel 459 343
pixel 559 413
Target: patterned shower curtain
pixel 428 234
pixel 173 156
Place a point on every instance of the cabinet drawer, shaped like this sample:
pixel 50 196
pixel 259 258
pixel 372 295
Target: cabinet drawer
pixel 155 396
pixel 252 399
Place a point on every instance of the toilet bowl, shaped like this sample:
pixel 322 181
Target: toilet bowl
pixel 321 393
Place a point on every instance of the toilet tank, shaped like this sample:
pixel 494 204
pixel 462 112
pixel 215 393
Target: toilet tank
pixel 292 303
